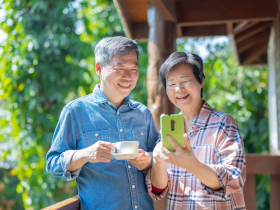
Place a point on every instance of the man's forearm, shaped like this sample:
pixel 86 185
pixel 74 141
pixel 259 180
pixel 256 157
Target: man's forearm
pixel 159 176
pixel 78 160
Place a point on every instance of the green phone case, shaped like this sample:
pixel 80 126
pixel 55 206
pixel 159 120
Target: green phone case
pixel 172 125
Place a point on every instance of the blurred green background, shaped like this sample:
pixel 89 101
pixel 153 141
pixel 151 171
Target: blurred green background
pixel 47 60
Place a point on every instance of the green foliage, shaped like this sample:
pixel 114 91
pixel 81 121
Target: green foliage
pixel 8 196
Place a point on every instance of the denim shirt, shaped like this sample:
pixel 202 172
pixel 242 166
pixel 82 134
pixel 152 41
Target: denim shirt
pixel 83 122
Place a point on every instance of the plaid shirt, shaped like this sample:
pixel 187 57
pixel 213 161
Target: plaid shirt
pixel 216 141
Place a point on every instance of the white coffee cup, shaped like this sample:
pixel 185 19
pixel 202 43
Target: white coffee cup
pixel 127 147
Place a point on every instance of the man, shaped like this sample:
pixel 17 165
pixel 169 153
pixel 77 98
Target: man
pixel 82 142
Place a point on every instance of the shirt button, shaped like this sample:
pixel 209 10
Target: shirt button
pixel 180 198
pixel 121 130
pixel 118 113
pixel 182 176
pixel 133 186
pixel 141 133
pixel 135 207
pixel 129 166
pixel 96 134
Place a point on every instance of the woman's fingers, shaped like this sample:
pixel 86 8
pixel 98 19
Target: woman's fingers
pixel 175 144
pixel 187 143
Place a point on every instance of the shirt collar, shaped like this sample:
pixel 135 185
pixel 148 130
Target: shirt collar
pixel 202 117
pixel 99 97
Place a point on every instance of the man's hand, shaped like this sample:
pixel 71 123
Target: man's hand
pixel 99 152
pixel 144 162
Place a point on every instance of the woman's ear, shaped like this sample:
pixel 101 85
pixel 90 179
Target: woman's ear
pixel 98 69
pixel 202 83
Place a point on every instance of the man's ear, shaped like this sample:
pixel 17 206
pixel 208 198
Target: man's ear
pixel 98 69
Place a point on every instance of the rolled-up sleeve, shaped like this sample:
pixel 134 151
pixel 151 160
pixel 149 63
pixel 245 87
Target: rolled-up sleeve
pixel 63 147
pixel 153 195
pixel 229 162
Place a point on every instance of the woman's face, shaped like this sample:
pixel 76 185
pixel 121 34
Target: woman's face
pixel 182 88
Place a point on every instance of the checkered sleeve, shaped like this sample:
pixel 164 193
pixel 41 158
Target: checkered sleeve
pixel 230 166
pixel 153 195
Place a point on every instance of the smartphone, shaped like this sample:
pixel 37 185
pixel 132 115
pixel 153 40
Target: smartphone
pixel 172 125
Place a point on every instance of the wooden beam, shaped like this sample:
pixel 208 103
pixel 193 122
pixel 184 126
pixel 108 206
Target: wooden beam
pixel 200 31
pixel 262 164
pixel 253 40
pixel 252 31
pixel 241 25
pixel 204 12
pixel 166 9
pixel 179 31
pixel 250 24
pixel 124 17
pixel 140 32
pixel 68 204
pixel 229 28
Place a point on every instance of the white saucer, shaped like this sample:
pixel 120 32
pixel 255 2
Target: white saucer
pixel 126 156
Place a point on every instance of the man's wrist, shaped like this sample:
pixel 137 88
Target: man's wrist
pixel 82 155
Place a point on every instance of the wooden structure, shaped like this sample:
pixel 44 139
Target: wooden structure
pixel 247 23
pixel 253 27
pixel 256 164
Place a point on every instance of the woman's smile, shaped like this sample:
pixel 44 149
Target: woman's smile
pixel 182 98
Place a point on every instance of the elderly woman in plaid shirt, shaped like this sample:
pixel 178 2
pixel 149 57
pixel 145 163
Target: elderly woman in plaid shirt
pixel 210 172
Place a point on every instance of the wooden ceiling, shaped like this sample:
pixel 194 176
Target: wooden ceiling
pixel 246 22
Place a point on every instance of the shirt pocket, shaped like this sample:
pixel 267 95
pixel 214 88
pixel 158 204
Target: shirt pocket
pixel 91 138
pixel 141 136
pixel 205 153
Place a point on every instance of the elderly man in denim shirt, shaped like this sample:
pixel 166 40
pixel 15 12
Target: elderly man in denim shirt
pixel 88 126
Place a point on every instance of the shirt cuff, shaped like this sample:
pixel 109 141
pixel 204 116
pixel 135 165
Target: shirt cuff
pixel 65 159
pixel 223 192
pixel 153 195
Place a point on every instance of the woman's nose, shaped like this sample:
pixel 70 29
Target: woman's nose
pixel 179 88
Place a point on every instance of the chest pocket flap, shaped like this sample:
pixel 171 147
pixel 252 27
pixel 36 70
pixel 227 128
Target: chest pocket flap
pixel 96 135
pixel 138 134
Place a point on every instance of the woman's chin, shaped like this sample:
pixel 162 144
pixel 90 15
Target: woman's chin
pixel 183 106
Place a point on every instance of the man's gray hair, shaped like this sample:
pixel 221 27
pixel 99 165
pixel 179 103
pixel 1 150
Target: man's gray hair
pixel 110 46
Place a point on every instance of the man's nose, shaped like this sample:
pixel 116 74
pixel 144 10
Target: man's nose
pixel 126 74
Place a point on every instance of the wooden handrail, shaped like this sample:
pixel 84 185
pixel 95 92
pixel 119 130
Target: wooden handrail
pixel 68 204
pixel 255 164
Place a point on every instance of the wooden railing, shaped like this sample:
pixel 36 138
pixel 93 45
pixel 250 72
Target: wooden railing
pixel 262 164
pixel 255 164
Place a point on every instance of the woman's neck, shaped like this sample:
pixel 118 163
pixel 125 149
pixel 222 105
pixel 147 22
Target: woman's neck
pixel 190 114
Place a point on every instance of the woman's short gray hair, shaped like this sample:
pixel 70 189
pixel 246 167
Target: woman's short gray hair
pixel 110 46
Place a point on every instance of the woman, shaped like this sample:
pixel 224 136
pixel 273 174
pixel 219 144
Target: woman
pixel 210 172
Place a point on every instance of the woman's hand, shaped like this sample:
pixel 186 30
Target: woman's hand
pixel 157 154
pixel 181 157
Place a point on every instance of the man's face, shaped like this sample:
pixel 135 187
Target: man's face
pixel 119 76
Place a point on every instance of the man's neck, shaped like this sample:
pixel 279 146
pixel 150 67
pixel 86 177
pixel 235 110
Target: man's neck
pixel 117 101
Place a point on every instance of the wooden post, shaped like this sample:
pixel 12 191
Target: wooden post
pixel 162 42
pixel 250 192
pixel 274 191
